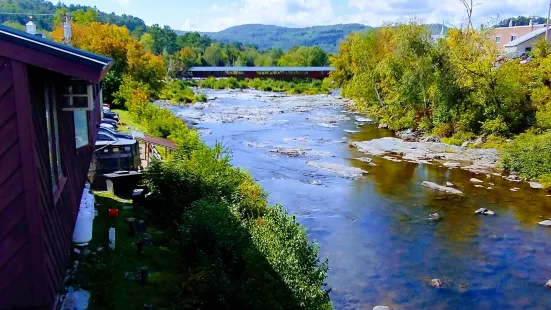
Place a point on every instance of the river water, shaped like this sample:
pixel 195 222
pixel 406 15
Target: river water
pixel 382 248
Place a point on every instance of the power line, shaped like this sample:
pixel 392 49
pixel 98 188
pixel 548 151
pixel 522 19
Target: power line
pixel 28 14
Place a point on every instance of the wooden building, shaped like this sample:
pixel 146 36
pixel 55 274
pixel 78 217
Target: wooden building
pixel 50 111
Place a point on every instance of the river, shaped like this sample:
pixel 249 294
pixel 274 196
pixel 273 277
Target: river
pixel 382 247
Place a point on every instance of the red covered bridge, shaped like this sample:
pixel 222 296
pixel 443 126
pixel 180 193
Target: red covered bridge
pixel 261 72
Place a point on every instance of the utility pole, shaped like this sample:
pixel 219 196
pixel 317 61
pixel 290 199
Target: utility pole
pixel 67 32
pixel 548 17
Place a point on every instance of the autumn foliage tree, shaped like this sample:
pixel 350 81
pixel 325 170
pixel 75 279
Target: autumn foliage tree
pixel 129 55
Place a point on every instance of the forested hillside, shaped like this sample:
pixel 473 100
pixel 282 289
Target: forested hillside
pixel 269 36
pixel 44 22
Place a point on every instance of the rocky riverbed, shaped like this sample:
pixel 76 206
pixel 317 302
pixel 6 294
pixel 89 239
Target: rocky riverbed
pixel 403 223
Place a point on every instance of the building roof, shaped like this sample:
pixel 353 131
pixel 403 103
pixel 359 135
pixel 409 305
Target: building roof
pixel 154 140
pixel 526 37
pixel 12 40
pixel 261 69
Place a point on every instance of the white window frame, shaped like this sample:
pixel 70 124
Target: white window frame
pixel 498 39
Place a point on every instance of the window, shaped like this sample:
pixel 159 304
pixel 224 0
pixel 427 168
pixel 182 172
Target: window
pixel 528 49
pixel 104 136
pixel 52 129
pixel 81 128
pixel 513 37
pixel 498 39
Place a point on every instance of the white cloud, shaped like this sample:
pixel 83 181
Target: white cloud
pixel 280 12
pixel 302 13
pixel 435 11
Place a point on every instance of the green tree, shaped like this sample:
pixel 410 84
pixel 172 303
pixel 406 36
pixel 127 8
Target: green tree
pixel 214 56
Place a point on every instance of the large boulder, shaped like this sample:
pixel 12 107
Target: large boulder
pixel 444 189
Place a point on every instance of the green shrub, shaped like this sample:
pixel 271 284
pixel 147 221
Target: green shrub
pixel 264 263
pixel 529 155
pixel 203 173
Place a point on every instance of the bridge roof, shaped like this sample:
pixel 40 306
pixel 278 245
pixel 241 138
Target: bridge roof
pixel 261 69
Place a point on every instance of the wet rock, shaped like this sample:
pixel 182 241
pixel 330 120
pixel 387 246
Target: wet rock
pixel 449 184
pixel 396 160
pixel 479 186
pixel 410 135
pixel 291 152
pixel 434 217
pixel 341 170
pixel 381 308
pixel 513 178
pixel 444 189
pixel 489 187
pixel 548 284
pixel 367 160
pixel 484 211
pixel 479 141
pixel 363 119
pixel 437 283
pixel 546 223
pixel 475 180
pixel 514 189
pixel 351 131
pixel 465 144
pixel 536 185
pixel 326 125
pixel 435 139
pixel 383 126
pixel 450 164
pixel 478 160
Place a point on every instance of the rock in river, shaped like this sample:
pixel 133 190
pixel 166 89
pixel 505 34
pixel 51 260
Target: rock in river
pixel 478 160
pixel 548 285
pixel 434 217
pixel 475 180
pixel 546 223
pixel 536 185
pixel 450 164
pixel 449 184
pixel 344 171
pixel 484 211
pixel 381 308
pixel 436 283
pixel 445 189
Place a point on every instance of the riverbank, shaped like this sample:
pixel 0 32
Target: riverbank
pixel 377 225
pixel 208 208
pixel 295 86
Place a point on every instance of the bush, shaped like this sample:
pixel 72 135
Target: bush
pixel 203 173
pixel 262 263
pixel 529 155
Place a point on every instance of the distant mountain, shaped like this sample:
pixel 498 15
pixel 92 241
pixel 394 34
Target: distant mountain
pixel 270 36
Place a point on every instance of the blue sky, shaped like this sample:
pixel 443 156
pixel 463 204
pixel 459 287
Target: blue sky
pixel 215 15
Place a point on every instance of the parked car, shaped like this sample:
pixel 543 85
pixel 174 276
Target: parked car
pixel 115 154
pixel 117 134
pixel 110 115
pixel 106 126
pixel 111 122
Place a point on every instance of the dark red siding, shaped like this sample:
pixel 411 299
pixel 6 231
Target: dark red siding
pixel 16 246
pixel 36 225
pixel 59 212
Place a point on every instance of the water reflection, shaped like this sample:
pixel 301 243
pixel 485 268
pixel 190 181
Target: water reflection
pixel 382 247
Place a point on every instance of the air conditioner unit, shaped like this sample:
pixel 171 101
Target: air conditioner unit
pixel 78 96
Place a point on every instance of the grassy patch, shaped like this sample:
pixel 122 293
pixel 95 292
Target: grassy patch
pixel 112 276
pixel 126 120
